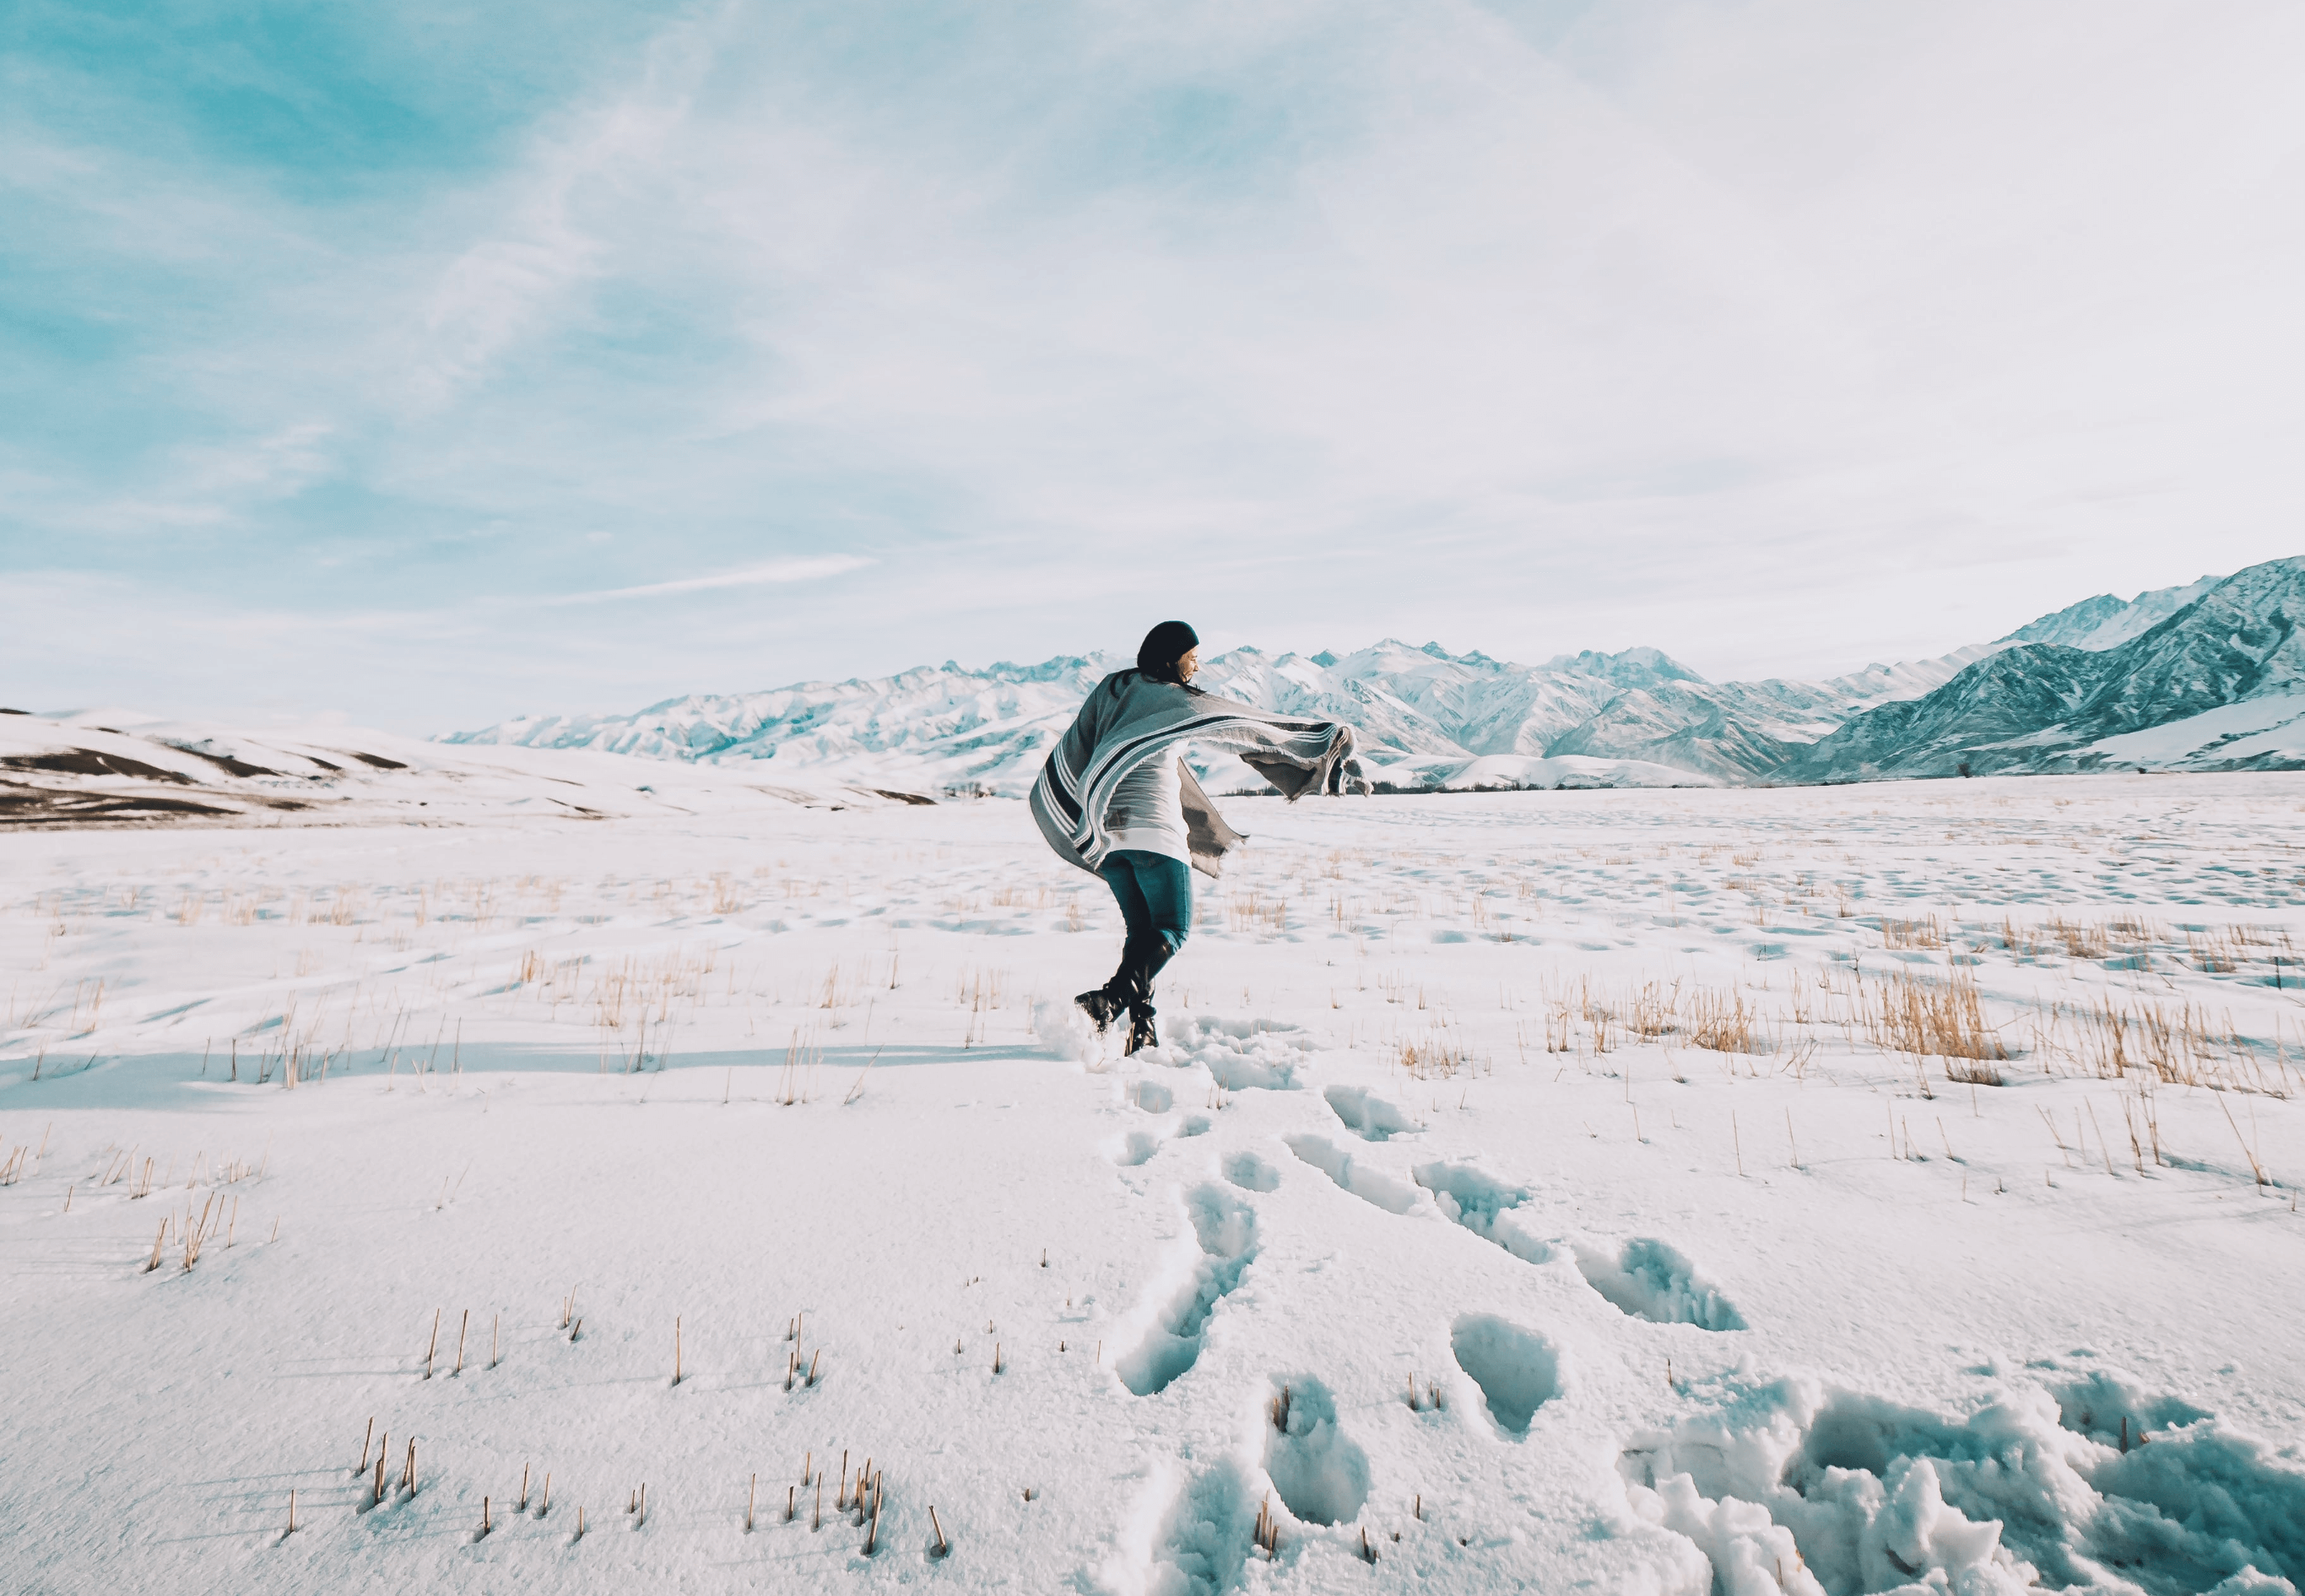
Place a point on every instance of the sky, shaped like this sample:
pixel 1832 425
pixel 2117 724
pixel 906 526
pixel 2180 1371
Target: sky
pixel 432 363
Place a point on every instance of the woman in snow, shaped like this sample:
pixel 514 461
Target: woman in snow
pixel 1117 799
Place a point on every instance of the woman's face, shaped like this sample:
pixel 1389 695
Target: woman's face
pixel 1189 664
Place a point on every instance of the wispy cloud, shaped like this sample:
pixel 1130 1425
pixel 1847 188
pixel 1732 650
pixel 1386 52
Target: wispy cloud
pixel 778 572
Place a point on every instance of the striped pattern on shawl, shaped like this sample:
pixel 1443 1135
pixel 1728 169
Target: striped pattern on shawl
pixel 1129 718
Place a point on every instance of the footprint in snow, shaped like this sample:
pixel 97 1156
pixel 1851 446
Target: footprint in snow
pixel 1224 1229
pixel 1517 1370
pixel 1204 1539
pixel 1366 1114
pixel 1136 1147
pixel 1151 1096
pixel 1487 1206
pixel 1645 1278
pixel 1250 1172
pixel 1361 1179
pixel 1319 1474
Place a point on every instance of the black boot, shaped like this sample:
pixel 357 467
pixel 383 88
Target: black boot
pixel 1137 973
pixel 1109 1001
pixel 1141 1032
pixel 1102 1006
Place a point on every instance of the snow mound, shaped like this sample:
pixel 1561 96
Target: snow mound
pixel 1841 1492
pixel 1239 1055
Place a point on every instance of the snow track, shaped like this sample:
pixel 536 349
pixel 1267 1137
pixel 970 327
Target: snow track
pixel 1615 1244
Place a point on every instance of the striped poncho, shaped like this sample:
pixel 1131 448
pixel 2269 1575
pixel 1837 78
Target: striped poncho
pixel 1130 717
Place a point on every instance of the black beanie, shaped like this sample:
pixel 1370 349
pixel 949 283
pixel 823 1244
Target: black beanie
pixel 1164 645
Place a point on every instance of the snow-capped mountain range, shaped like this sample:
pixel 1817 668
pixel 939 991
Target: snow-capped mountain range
pixel 2206 676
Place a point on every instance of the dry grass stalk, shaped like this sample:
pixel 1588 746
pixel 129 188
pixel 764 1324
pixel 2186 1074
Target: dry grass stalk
pixel 196 1235
pixel 1927 932
pixel 1268 1529
pixel 1946 1022
pixel 1723 1022
pixel 2081 940
pixel 2102 1146
pixel 2249 1152
pixel 796 1083
pixel 1431 1058
pixel 2179 1046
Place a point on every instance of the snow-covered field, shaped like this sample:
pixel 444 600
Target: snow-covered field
pixel 1538 1192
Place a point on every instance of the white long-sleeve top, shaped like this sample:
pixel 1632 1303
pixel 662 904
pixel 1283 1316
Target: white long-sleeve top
pixel 1147 811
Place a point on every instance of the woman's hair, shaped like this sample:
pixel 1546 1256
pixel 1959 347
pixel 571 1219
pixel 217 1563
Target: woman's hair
pixel 1163 646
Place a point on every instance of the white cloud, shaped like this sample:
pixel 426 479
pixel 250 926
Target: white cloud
pixel 779 572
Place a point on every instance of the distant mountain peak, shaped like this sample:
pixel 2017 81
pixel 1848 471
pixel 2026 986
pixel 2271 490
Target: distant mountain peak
pixel 2105 622
pixel 2204 677
pixel 1628 667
